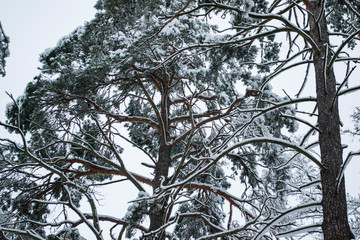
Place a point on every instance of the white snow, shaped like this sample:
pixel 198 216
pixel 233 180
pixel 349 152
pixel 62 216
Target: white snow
pixel 172 28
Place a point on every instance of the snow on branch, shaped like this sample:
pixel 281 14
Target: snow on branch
pixel 343 167
pixel 340 48
pixel 285 214
pixel 275 141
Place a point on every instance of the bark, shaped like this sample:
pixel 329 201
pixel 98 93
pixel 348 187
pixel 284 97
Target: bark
pixel 158 210
pixel 335 224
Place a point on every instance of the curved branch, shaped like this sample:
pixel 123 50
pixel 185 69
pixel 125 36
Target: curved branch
pixel 338 51
pixel 284 214
pixel 301 120
pixel 161 128
pixel 199 96
pixel 271 16
pixel 284 143
pixel 249 93
pixel 27 233
pixel 233 200
pixel 118 157
pixel 119 118
pixel 343 167
pixel 95 169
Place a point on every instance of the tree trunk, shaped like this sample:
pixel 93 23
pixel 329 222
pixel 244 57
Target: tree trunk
pixel 335 224
pixel 158 209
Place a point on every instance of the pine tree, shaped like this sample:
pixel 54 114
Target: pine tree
pixel 136 67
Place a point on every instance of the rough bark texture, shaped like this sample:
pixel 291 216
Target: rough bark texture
pixel 335 220
pixel 158 211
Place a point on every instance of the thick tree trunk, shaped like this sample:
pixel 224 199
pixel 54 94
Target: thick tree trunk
pixel 158 210
pixel 335 220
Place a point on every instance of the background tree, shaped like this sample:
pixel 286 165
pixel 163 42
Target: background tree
pixel 354 201
pixel 4 50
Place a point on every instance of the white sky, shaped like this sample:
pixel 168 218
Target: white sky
pixel 34 25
